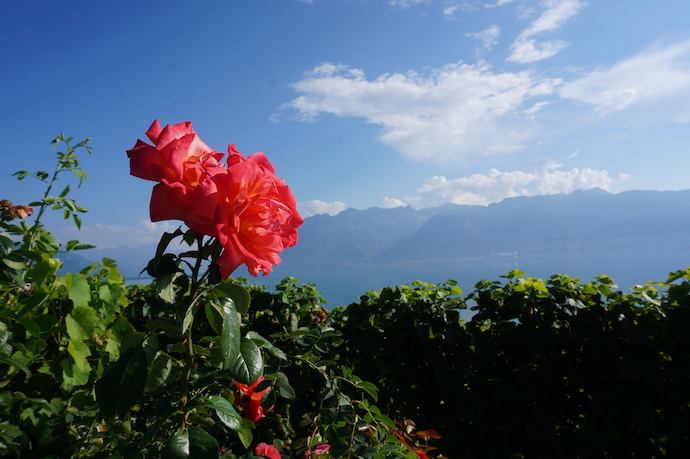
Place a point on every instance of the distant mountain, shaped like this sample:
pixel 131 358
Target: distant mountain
pixel 634 236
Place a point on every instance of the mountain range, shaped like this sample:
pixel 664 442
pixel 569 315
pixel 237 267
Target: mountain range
pixel 633 236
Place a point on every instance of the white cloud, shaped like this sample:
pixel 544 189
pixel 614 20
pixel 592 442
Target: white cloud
pixel 406 3
pixel 449 113
pixel 536 107
pixel 658 77
pixel 526 49
pixel 546 177
pixel 110 236
pixel 390 203
pixel 316 207
pixel 487 37
pixel 450 11
pixel 498 3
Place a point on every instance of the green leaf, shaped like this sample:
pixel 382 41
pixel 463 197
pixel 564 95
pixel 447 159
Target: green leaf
pixel 122 384
pixel 77 289
pixel 238 294
pixel 166 288
pixel 266 344
pixel 6 244
pixel 16 363
pixel 75 245
pixel 178 446
pixel 159 372
pixel 64 192
pixel 249 364
pixel 283 386
pixel 170 327
pixel 73 375
pixel 80 351
pixel 166 238
pixel 245 433
pixel 226 412
pixel 230 337
pixel 86 319
pixel 202 445
pixel 369 388
pixel 4 333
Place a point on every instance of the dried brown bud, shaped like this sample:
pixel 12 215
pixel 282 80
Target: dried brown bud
pixel 9 212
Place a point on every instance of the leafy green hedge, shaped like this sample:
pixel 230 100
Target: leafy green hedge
pixel 556 368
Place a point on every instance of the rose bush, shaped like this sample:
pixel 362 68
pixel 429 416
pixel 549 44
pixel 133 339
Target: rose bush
pixel 243 203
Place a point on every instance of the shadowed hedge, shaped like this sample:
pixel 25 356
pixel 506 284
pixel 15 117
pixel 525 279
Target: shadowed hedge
pixel 555 368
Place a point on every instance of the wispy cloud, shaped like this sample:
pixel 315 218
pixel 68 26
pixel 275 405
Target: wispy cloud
pixel 449 113
pixel 487 37
pixel 498 3
pixel 406 3
pixel 656 78
pixel 527 49
pixel 316 207
pixel 450 11
pixel 545 177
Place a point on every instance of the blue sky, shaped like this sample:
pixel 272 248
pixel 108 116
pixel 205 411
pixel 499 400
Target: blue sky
pixel 358 103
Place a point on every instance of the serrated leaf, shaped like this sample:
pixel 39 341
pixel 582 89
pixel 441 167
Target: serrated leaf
pixel 122 384
pixel 86 318
pixel 77 289
pixel 80 351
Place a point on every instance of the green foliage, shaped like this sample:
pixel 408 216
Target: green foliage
pixel 555 368
pixel 91 367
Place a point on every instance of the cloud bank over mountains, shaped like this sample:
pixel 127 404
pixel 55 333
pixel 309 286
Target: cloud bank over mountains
pixel 461 112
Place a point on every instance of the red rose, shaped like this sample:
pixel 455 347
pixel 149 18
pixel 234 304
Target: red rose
pixel 421 454
pixel 177 156
pixel 179 160
pixel 256 217
pixel 244 204
pixel 250 401
pixel 270 451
